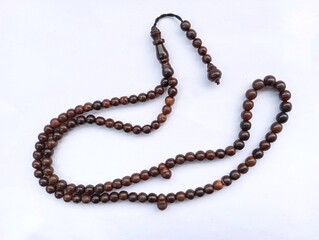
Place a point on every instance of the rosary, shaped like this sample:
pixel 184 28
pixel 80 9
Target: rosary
pixel 109 191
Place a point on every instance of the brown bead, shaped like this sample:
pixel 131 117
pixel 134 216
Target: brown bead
pixel 87 107
pixel 190 194
pixel 100 121
pixel 62 117
pixel 234 175
pixel 105 197
pixel 48 171
pixel 42 137
pixel 206 58
pixel 250 161
pixel 257 153
pixel 97 105
pixel 90 119
pixel 61 185
pixel 55 123
pixel 155 125
pixel 95 198
pixel 172 92
pixel 170 197
pixel 80 189
pixel 154 171
pixel 80 120
pixel 161 118
pixel 152 197
pixel 133 99
pixel 270 80
pixel 50 189
pixel 118 125
pixel 285 106
pixel 67 197
pixel 246 115
pixel 79 109
pixel 280 86
pixel 43 182
pixel 117 183
pixel 108 186
pixel 161 202
pixel 200 155
pixel 86 199
pixel 276 127
pixel 242 168
pixel 37 155
pixel 70 189
pixel 166 110
pixel 271 137
pixel 127 127
pixel 126 181
pixel 135 178
pixel 106 103
pixel 36 164
pixel 251 94
pixel 245 125
pixel 71 124
pixel 123 195
pixel 282 117
pixel 39 146
pixel 142 197
pixel 197 43
pixel 191 34
pixel 115 101
pixel 285 95
pixel 164 82
pixel 53 179
pixel 180 196
pixel 48 129
pixel 218 185
pixel 124 100
pixel 180 159
pixel 38 173
pixel 170 163
pixel 190 156
pixel 109 123
pixel 159 90
pixel 230 151
pixel 202 51
pixel 166 173
pixel 208 188
pixel 220 153
pixel 169 101
pixel 146 129
pixel 144 175
pixel 99 188
pixel 248 105
pixel 244 135
pixel 137 129
pixel 70 113
pixel 114 197
pixel 226 180
pixel 199 192
pixel 132 197
pixel 258 84
pixel 210 155
pixel 264 145
pixel 142 97
pixel 76 198
pixel 185 25
pixel 151 94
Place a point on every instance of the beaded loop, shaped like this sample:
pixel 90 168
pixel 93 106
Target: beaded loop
pixel 109 191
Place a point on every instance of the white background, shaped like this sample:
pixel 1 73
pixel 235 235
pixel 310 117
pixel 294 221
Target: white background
pixel 55 55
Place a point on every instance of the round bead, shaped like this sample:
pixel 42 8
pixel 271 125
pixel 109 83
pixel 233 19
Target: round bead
pixel 146 129
pixel 144 175
pixel 190 194
pixel 202 51
pixel 118 125
pixel 123 195
pixel 271 137
pixel 95 199
pixel 185 25
pixel 200 155
pixel 142 97
pixel 152 197
pixel 169 101
pixel 208 188
pixel 270 80
pixel 280 86
pixel 218 185
pixel 258 84
pixel 285 95
pixel 99 188
pixel 285 106
pixel 180 196
pixel 108 186
pixel 264 145
pixel 117 183
pixel 58 194
pixel 153 171
pixel 246 115
pixel 172 92
pixel 132 197
pixel 282 117
pixel 234 175
pixel 206 58
pixel 239 144
pixel 137 129
pixel 114 197
pixel 180 159
pixel 97 105
pixel 199 192
pixel 106 103
pixel 90 119
pixel 258 153
pixel 191 34
pixel 242 168
pixel 100 121
pixel 133 99
pixel 86 199
pixel 105 197
pixel 210 155
pixel 135 178
pixel 230 151
pixel 220 153
pixel 245 125
pixel 124 100
pixel 248 105
pixel 276 127
pixel 170 197
pixel 250 161
pixel 244 135
pixel 190 156
pixel 142 197
pixel 197 43
pixel 251 94
pixel 226 180
pixel 115 101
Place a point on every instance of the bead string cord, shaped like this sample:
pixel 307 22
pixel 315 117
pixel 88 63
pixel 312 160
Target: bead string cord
pixel 109 191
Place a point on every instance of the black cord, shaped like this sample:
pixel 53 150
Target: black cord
pixel 167 15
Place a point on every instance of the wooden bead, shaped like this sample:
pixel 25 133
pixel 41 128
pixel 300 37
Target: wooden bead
pixel 218 185
pixel 161 202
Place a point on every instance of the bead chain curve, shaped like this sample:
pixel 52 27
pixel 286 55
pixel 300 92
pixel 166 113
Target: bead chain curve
pixel 108 192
